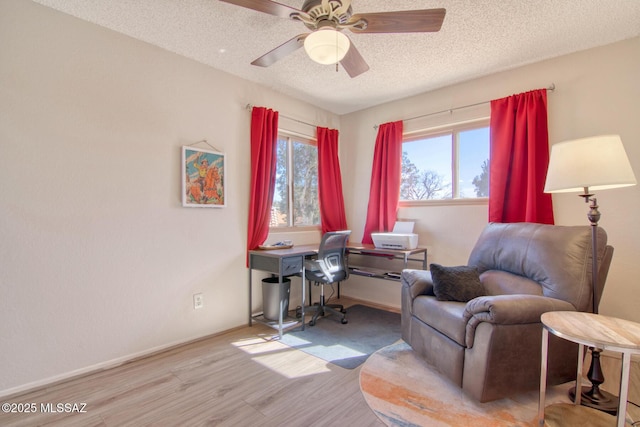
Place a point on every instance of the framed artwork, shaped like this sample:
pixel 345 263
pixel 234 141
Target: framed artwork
pixel 203 178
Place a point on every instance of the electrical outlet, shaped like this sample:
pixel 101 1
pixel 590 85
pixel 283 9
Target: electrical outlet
pixel 198 301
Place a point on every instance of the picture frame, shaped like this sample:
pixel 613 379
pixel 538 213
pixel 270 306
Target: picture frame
pixel 203 183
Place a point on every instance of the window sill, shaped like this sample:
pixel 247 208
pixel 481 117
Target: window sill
pixel 280 230
pixel 445 202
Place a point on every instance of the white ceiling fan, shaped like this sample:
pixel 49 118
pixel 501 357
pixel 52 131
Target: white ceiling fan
pixel 327 19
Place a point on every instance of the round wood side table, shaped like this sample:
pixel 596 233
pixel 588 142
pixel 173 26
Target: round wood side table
pixel 590 330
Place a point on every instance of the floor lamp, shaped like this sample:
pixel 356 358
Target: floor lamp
pixel 583 165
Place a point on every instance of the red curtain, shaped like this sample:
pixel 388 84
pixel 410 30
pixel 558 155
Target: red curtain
pixel 519 159
pixel 264 139
pixel 384 192
pixel 332 215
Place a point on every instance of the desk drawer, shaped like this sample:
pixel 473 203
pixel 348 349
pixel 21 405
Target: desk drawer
pixel 291 266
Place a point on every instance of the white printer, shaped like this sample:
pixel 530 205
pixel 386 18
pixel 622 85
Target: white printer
pixel 402 237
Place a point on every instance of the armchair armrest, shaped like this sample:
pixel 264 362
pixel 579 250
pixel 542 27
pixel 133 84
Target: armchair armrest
pixel 416 282
pixel 509 310
pixel 413 283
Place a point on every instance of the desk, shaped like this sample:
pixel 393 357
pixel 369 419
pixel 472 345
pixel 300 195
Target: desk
pixel 592 330
pixel 281 262
pixel 289 262
pixel 406 255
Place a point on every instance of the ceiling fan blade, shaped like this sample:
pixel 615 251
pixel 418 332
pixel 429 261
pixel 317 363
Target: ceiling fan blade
pixel 404 21
pixel 281 51
pixel 266 6
pixel 353 63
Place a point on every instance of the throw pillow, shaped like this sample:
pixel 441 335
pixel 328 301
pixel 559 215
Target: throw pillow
pixel 460 283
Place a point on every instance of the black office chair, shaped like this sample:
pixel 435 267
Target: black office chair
pixel 329 267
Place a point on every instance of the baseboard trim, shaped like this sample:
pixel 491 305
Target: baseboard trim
pixel 109 364
pixel 103 366
pixel 353 301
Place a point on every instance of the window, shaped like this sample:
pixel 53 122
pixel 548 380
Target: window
pixel 446 164
pixel 295 200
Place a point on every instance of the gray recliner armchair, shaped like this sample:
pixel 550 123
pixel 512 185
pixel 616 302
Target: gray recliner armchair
pixel 490 346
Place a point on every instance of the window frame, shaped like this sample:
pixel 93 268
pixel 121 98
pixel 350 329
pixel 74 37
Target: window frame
pixel 298 137
pixel 454 129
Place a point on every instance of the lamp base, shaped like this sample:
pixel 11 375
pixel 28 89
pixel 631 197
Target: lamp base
pixel 595 398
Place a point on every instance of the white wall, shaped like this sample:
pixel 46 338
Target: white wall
pixel 98 259
pixel 597 93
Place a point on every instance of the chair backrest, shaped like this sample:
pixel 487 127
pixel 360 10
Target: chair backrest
pixel 558 258
pixel 332 252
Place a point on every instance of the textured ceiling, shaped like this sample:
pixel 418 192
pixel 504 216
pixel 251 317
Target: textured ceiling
pixel 478 37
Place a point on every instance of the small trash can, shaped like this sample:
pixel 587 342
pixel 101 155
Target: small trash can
pixel 271 297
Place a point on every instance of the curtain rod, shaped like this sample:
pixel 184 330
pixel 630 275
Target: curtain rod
pixel 551 88
pixel 249 107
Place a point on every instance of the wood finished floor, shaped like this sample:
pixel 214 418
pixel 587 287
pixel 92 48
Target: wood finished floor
pixel 240 378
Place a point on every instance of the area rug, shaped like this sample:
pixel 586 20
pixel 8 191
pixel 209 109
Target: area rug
pixel 348 346
pixel 403 390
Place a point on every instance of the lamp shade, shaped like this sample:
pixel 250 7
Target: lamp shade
pixel 596 163
pixel 326 45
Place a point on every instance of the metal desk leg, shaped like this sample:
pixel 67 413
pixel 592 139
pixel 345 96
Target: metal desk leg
pixel 250 302
pixel 543 376
pixel 304 300
pixel 280 304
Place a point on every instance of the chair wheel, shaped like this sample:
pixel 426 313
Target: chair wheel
pixel 312 323
pixel 344 321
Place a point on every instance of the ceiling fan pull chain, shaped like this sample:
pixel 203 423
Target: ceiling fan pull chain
pixel 337 56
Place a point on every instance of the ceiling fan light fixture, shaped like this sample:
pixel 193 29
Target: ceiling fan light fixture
pixel 326 46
